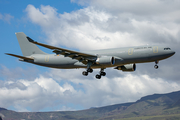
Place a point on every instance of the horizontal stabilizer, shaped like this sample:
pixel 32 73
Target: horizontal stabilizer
pixel 18 56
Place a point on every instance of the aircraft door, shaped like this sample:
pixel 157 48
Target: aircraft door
pixel 47 58
pixel 130 51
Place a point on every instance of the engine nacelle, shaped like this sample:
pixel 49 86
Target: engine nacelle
pixel 128 67
pixel 105 60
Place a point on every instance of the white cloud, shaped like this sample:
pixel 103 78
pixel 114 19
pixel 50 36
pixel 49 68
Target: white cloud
pixel 86 26
pixel 112 24
pixel 92 28
pixel 17 73
pixel 137 7
pixel 1 16
pixel 49 92
pixel 6 17
pixel 96 28
pixel 45 16
pixel 36 95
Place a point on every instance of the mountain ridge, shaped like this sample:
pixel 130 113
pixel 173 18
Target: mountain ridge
pixel 150 105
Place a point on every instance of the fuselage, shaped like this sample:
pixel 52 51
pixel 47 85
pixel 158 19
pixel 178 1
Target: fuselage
pixel 128 55
pixel 124 59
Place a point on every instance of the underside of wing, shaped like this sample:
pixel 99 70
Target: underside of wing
pixel 81 57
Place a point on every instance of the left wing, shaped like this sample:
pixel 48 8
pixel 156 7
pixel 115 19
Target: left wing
pixel 81 57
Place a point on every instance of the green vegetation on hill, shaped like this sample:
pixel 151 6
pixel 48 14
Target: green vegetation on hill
pixel 157 117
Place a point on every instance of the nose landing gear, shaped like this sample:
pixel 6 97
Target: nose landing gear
pixel 156 66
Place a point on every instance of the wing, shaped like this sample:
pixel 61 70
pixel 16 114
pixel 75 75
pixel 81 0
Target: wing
pixel 81 57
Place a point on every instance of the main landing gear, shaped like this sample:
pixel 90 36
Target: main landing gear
pixel 89 70
pixel 101 73
pixel 98 76
pixel 156 66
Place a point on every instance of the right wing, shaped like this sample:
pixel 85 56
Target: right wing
pixel 81 57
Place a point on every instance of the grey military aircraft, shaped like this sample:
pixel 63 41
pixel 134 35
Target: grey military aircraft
pixel 124 59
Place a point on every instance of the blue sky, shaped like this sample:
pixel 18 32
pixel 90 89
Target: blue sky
pixel 85 25
pixel 19 23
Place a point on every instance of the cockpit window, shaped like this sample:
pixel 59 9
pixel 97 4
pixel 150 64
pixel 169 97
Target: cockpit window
pixel 167 48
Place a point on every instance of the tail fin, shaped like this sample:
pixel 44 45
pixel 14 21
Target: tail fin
pixel 27 47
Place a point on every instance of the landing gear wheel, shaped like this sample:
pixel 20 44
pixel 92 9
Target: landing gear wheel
pixel 103 73
pixel 85 73
pixel 98 76
pixel 90 70
pixel 156 66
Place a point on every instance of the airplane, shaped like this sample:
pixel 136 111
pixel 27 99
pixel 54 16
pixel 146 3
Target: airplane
pixel 124 59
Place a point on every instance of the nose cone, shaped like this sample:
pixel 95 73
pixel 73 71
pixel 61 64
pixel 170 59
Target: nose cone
pixel 173 52
pixel 169 53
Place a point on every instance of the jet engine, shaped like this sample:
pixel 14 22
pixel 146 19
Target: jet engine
pixel 105 60
pixel 128 67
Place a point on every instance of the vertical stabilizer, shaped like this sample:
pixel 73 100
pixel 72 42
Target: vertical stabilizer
pixel 27 47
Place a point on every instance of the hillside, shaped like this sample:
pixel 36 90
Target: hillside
pixel 155 107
